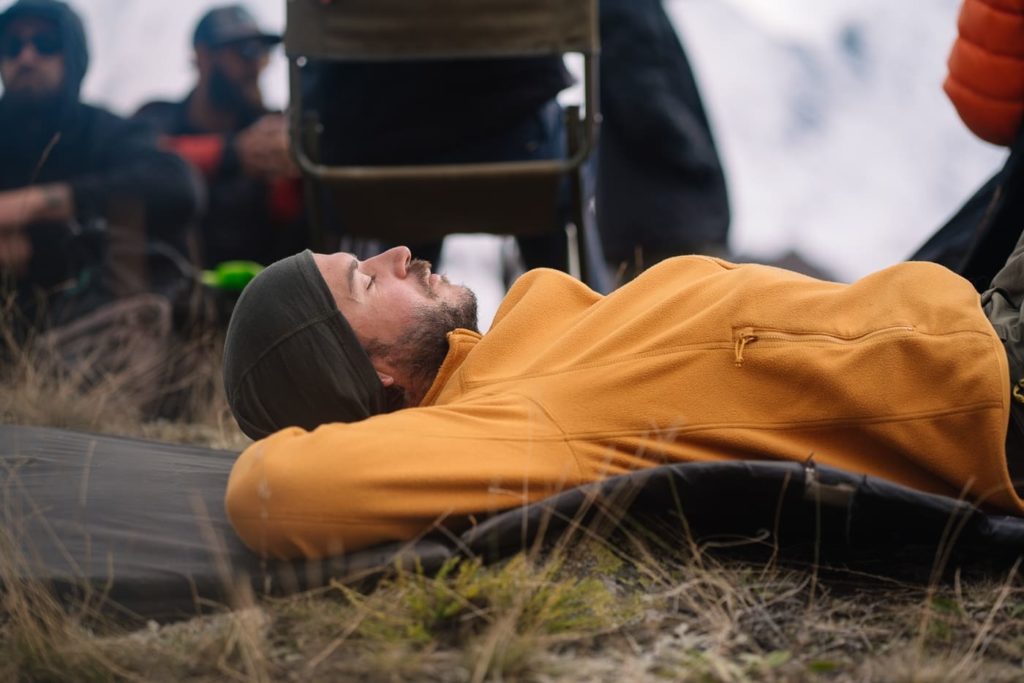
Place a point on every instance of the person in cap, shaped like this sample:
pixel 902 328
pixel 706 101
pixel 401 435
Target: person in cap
pixel 382 413
pixel 254 205
pixel 88 203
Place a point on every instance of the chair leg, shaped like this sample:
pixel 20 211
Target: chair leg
pixel 586 242
pixel 575 232
pixel 315 196
pixel 577 262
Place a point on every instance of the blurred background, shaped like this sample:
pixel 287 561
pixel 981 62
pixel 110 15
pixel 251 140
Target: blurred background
pixel 837 140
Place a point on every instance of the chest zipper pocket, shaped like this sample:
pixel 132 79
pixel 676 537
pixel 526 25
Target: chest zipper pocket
pixel 743 337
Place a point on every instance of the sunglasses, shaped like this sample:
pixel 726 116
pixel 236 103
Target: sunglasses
pixel 45 44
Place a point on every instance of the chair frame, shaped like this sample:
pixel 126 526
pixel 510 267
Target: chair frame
pixel 302 45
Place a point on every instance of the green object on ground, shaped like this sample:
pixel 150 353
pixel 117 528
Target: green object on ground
pixel 231 276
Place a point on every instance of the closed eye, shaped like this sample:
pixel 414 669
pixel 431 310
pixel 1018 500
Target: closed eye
pixel 373 278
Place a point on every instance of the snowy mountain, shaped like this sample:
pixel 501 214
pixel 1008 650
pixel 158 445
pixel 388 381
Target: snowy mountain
pixel 837 138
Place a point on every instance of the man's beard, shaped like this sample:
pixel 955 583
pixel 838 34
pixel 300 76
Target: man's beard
pixel 34 107
pixel 426 345
pixel 228 96
pixel 421 351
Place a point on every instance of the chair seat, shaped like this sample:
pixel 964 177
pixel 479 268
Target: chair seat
pixel 423 209
pixel 396 204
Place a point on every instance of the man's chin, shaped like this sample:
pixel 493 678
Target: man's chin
pixel 465 302
pixel 29 99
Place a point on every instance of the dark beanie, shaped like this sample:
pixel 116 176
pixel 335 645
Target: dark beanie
pixel 291 358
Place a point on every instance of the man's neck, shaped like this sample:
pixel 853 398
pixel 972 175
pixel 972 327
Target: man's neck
pixel 415 394
pixel 410 390
pixel 202 115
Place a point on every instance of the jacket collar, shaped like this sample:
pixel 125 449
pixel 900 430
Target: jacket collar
pixel 460 343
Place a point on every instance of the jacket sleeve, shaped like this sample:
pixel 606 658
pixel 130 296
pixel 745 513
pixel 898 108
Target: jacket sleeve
pixel 134 167
pixel 393 477
pixel 986 69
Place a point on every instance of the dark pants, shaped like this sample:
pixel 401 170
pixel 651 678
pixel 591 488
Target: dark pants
pixel 1002 303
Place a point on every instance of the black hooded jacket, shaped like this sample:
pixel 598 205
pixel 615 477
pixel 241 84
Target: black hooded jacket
pixel 101 156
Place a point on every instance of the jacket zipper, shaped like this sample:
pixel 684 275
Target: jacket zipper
pixel 748 335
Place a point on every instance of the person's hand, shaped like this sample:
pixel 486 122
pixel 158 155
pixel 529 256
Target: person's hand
pixel 15 252
pixel 263 148
pixel 25 205
pixel 19 208
pixel 15 210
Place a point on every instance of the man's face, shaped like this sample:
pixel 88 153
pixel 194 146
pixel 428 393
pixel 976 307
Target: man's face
pixel 31 60
pixel 384 296
pixel 400 311
pixel 234 72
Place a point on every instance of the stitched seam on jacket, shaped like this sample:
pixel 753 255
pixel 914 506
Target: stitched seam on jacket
pixel 697 346
pixel 565 437
pixel 978 407
pixel 321 519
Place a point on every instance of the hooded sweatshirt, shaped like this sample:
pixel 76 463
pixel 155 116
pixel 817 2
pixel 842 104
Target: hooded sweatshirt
pixel 899 375
pixel 101 156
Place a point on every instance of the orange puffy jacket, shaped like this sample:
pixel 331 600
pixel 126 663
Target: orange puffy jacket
pixel 986 68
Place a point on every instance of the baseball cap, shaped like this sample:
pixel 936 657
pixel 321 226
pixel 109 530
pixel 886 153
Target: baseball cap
pixel 230 24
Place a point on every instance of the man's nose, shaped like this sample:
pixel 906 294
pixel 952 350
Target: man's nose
pixel 27 54
pixel 396 260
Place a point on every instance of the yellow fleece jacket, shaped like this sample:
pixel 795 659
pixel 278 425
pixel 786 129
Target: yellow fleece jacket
pixel 898 375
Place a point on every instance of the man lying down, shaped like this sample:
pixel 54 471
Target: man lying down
pixel 419 420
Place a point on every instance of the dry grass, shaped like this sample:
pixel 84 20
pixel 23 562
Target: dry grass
pixel 593 614
pixel 624 608
pixel 129 391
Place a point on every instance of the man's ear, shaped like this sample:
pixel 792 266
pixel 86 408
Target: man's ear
pixel 385 379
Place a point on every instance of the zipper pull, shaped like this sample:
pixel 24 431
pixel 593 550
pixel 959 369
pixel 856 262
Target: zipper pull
pixel 743 337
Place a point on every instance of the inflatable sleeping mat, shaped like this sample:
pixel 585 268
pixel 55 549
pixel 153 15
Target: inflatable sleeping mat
pixel 138 527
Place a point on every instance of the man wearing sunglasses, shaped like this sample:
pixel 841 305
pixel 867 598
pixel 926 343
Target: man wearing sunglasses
pixel 86 198
pixel 222 127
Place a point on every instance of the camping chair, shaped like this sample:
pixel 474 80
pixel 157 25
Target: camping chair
pixel 415 203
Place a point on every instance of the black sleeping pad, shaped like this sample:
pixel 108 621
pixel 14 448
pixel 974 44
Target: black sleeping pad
pixel 139 526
